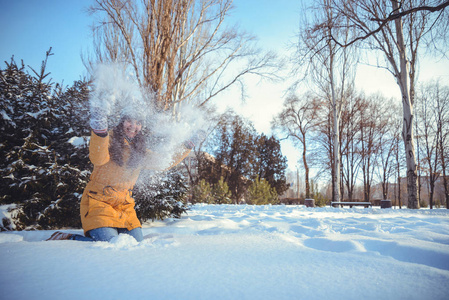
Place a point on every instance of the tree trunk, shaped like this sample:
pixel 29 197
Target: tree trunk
pixel 336 137
pixel 407 106
pixel 384 196
pixel 443 166
pixel 432 191
pixel 336 127
pixel 446 189
pixel 399 180
pixel 306 169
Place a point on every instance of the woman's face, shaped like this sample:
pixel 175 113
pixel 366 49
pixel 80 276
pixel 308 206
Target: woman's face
pixel 131 127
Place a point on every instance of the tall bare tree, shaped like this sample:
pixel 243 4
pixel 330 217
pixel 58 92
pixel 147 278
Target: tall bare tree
pixel 396 29
pixel 389 134
pixel 371 131
pixel 297 120
pixel 330 68
pixel 428 133
pixel 433 116
pixel 442 107
pixel 350 153
pixel 181 50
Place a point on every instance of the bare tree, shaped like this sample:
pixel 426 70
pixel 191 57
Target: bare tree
pixel 428 133
pixel 433 117
pixel 399 159
pixel 330 68
pixel 297 120
pixel 442 107
pixel 180 50
pixel 421 6
pixel 389 134
pixel 396 29
pixel 324 149
pixel 350 154
pixel 371 130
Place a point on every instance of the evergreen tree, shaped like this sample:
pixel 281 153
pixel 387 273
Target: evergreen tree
pixel 241 155
pixel 202 193
pixel 234 150
pixel 270 163
pixel 40 174
pixel 221 193
pixel 260 192
pixel 160 195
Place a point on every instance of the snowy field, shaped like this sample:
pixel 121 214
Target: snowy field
pixel 242 252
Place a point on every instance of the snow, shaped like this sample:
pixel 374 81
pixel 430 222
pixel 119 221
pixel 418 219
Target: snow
pixel 79 142
pixel 242 252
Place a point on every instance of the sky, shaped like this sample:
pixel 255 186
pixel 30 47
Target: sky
pixel 28 28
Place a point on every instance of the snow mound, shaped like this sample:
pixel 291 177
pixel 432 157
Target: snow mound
pixel 10 238
pixel 120 242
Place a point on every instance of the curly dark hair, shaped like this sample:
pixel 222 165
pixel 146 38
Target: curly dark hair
pixel 138 147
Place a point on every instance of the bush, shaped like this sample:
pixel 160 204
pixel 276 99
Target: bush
pixel 202 193
pixel 260 192
pixel 218 193
pixel 320 200
pixel 160 195
pixel 221 193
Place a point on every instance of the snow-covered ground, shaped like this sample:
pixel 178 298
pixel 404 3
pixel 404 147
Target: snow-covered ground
pixel 242 252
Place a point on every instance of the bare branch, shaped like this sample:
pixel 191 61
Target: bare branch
pixel 394 15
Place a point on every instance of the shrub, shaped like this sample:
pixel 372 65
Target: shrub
pixel 260 192
pixel 202 193
pixel 221 193
pixel 160 195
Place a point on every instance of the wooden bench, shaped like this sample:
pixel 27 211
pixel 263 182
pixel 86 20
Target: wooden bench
pixel 351 204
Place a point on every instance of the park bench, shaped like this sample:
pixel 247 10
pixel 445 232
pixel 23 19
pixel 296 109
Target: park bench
pixel 351 204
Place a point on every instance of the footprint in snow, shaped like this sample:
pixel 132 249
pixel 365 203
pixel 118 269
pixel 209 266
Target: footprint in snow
pixel 155 239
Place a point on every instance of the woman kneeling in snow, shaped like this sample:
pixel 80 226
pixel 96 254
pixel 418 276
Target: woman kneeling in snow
pixel 118 156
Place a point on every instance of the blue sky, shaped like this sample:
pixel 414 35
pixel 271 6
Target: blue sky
pixel 28 28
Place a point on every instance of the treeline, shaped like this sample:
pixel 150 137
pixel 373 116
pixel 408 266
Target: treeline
pixel 45 167
pixel 371 141
pixel 239 165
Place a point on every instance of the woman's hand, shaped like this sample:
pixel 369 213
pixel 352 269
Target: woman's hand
pixel 99 119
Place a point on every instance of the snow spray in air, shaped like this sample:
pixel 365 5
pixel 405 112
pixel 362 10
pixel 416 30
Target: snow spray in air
pixel 166 131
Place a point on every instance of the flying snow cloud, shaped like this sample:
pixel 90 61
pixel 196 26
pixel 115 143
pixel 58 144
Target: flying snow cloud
pixel 115 91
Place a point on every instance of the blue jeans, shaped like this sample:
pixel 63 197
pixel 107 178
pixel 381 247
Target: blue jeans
pixel 105 234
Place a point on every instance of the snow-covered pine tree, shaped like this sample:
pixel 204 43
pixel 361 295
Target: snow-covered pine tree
pixel 40 172
pixel 160 195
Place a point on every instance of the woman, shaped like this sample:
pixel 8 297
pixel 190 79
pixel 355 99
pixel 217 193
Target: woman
pixel 118 156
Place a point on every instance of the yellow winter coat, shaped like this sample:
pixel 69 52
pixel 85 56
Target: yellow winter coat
pixel 107 199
